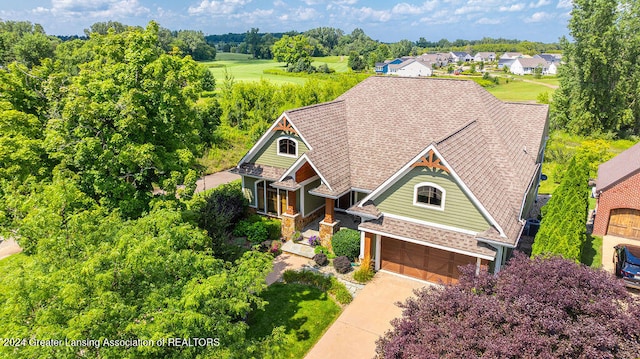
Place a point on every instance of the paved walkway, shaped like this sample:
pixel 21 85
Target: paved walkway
pixel 9 247
pixel 355 332
pixel 283 262
pixel 215 179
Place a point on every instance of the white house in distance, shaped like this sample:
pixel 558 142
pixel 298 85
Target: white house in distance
pixel 527 66
pixel 414 68
pixel 484 57
pixel 511 55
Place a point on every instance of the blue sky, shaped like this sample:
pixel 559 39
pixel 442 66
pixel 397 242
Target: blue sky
pixel 388 21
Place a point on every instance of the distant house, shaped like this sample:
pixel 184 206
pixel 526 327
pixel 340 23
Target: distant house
pixel 511 55
pixel 382 68
pixel 550 58
pixel 414 68
pixel 460 56
pixel 553 68
pixel 484 57
pixel 502 63
pixel 618 207
pixel 436 179
pixel 438 59
pixel 528 66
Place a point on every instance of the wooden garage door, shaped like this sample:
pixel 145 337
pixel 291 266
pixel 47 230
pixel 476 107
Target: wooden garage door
pixel 426 263
pixel 624 222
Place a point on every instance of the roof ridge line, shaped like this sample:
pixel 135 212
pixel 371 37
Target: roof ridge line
pixel 314 105
pixel 455 132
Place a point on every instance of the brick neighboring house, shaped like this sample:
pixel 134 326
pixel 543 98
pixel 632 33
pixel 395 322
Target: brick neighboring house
pixel 618 207
pixel 433 179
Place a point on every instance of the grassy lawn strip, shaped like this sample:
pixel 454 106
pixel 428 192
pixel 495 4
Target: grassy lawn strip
pixel 304 311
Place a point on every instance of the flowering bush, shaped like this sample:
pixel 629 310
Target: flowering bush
pixel 314 241
pixel 275 248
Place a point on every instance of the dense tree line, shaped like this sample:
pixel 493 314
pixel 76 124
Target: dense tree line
pixel 28 43
pixel 325 41
pixel 599 85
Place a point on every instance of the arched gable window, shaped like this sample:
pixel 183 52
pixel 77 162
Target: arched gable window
pixel 429 195
pixel 287 147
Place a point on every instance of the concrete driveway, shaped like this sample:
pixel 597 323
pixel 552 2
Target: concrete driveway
pixel 355 332
pixel 214 180
pixel 9 247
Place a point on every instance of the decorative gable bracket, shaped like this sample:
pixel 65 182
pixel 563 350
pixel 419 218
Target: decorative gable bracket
pixel 430 160
pixel 285 126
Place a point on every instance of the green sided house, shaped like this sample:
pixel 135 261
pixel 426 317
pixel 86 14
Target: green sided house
pixel 437 173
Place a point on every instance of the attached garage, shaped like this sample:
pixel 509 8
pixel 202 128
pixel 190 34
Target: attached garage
pixel 422 262
pixel 624 222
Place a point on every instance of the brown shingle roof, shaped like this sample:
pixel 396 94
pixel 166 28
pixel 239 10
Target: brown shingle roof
pixel 257 170
pixel 450 239
pixel 618 168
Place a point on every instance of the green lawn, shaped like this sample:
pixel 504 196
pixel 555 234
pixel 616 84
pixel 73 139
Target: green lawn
pixel 592 252
pixel 243 68
pixel 518 91
pixel 305 312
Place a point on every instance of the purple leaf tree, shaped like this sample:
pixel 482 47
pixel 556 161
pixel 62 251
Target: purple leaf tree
pixel 538 308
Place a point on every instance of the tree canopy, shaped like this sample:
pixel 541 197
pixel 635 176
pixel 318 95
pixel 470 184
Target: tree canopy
pixel 115 110
pixel 92 275
pixel 599 83
pixel 540 308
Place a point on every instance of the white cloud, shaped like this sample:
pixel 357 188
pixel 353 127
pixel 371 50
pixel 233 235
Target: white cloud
pixel 312 2
pixel 538 17
pixel 488 21
pixel 374 15
pixel 469 9
pixel 540 3
pixel 408 9
pixel 305 14
pixel 345 2
pixel 279 3
pixel 564 4
pixel 439 18
pixel 93 8
pixel 512 8
pixel 223 7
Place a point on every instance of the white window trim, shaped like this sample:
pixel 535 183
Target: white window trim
pixel 286 154
pixel 424 205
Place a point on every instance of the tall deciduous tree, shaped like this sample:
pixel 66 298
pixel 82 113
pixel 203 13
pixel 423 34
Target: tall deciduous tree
pixel 595 94
pixel 290 49
pixel 128 120
pixel 541 308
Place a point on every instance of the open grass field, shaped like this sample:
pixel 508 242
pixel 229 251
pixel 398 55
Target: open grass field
pixel 519 91
pixel 305 313
pixel 243 68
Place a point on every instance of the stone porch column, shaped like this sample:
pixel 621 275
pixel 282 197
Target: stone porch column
pixel 329 225
pixel 291 219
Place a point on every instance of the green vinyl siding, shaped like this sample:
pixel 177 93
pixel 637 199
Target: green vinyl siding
pixel 249 190
pixel 311 202
pixel 268 154
pixel 458 212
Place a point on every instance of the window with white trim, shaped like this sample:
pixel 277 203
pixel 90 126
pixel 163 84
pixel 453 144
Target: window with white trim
pixel 287 147
pixel 429 195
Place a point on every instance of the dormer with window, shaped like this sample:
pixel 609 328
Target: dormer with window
pixel 287 147
pixel 429 195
